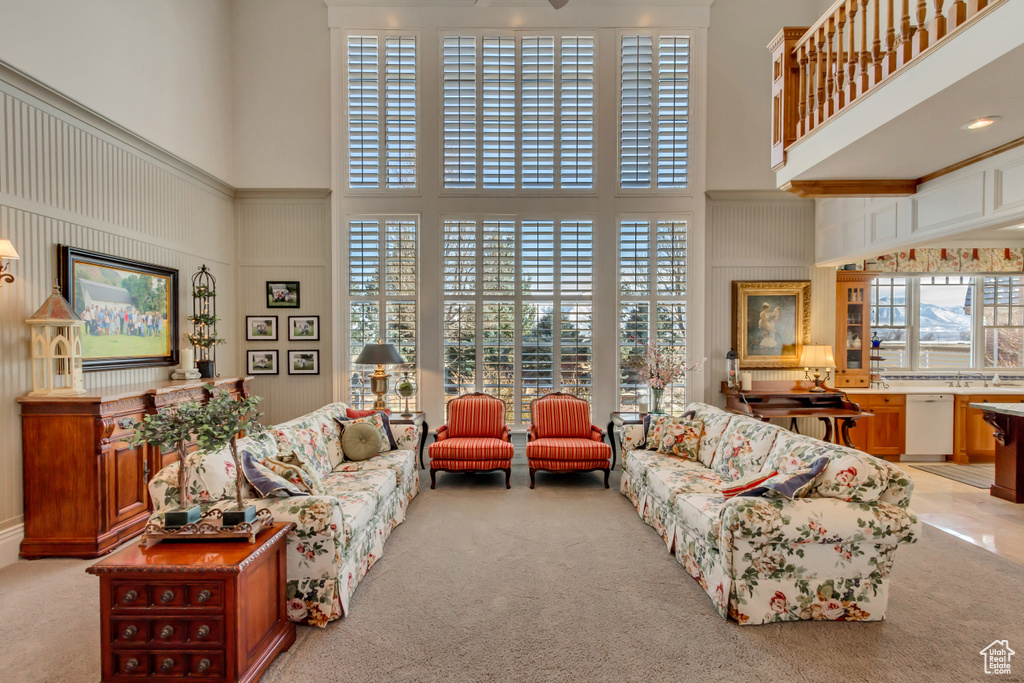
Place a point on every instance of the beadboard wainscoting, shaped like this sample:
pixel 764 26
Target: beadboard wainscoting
pixel 755 238
pixel 68 176
pixel 285 235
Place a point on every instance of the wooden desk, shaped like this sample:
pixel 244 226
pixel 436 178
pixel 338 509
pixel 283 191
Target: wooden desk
pixel 787 399
pixel 1008 421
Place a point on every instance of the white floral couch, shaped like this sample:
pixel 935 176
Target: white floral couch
pixel 340 532
pixel 826 556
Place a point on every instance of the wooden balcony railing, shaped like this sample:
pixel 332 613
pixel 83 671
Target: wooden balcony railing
pixel 858 44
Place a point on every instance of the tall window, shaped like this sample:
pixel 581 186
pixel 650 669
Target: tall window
pixel 518 309
pixel 949 322
pixel 654 112
pixel 382 290
pixel 382 111
pixel 518 111
pixel 652 300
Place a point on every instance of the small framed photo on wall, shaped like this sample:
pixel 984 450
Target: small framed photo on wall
pixel 282 294
pixel 262 363
pixel 303 362
pixel 261 328
pixel 303 328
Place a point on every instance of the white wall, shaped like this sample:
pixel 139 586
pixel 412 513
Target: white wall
pixel 739 88
pixel 281 93
pixel 160 68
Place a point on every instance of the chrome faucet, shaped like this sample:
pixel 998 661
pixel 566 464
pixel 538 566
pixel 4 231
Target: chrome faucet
pixel 958 379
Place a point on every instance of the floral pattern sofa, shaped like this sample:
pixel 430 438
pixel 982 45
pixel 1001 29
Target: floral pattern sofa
pixel 827 556
pixel 340 531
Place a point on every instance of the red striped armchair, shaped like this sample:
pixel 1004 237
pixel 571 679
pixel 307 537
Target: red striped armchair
pixel 475 439
pixel 562 438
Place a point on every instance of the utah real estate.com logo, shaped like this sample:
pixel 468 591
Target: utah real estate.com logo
pixel 997 657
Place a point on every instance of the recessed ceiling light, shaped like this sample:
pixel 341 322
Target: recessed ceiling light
pixel 983 122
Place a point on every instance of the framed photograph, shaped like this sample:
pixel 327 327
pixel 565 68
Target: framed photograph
pixel 282 294
pixel 261 327
pixel 262 363
pixel 130 309
pixel 303 362
pixel 303 328
pixel 771 321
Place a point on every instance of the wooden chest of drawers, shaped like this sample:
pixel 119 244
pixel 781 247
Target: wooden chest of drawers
pixel 206 610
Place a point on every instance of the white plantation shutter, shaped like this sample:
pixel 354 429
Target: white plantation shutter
pixel 651 249
pixel 382 264
pixel 363 112
pixel 460 266
pixel 382 116
pixel 537 266
pixel 673 110
pixel 459 348
pixel 460 115
pixel 635 107
pixel 538 137
pixel 537 353
pixel 498 345
pixel 576 124
pixel 576 264
pixel 499 112
pixel 499 256
pixel 576 349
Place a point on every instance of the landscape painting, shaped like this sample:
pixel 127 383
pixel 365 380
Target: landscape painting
pixel 771 322
pixel 129 309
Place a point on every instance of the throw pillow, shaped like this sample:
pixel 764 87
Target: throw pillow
pixel 360 442
pixel 747 483
pixel 267 483
pixel 353 414
pixel 377 420
pixel 681 438
pixel 791 485
pixel 654 425
pixel 294 474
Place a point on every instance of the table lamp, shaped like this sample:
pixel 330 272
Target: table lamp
pixel 379 354
pixel 817 356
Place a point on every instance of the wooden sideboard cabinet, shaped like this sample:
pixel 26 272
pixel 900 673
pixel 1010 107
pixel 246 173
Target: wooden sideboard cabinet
pixel 84 484
pixel 853 328
pixel 972 436
pixel 885 433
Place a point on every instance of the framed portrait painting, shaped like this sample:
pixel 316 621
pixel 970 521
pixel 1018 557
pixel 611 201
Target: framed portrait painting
pixel 771 322
pixel 282 294
pixel 262 363
pixel 303 362
pixel 130 309
pixel 261 328
pixel 303 328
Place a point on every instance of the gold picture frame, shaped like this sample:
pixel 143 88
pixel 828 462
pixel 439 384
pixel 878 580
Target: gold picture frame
pixel 771 322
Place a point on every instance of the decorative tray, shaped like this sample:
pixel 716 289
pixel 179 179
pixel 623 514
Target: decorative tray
pixel 207 528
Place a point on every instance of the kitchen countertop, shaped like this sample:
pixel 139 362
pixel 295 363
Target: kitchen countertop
pixel 975 388
pixel 1011 409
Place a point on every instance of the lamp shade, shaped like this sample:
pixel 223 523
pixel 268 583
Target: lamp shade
pixel 817 356
pixel 7 250
pixel 379 354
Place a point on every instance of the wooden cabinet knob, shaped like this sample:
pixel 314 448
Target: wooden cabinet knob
pixel 202 631
pixel 166 632
pixel 167 596
pixel 203 665
pixel 131 665
pixel 203 596
pixel 129 597
pixel 129 632
pixel 167 664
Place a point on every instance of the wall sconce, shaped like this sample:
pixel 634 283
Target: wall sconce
pixel 7 252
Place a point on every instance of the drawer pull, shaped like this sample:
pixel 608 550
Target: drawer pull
pixel 204 595
pixel 126 423
pixel 129 632
pixel 167 596
pixel 167 665
pixel 203 665
pixel 131 665
pixel 166 632
pixel 129 597
pixel 202 631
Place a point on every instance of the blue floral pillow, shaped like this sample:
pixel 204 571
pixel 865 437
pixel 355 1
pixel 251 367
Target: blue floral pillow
pixel 791 485
pixel 267 483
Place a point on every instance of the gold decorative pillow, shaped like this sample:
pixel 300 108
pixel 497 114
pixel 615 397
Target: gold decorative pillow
pixel 681 438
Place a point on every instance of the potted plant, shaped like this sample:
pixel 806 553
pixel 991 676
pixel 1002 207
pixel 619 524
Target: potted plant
pixel 204 322
pixel 172 428
pixel 657 369
pixel 223 419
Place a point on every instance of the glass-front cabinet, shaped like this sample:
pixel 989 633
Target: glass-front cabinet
pixel 853 328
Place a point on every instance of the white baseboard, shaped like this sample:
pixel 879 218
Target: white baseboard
pixel 10 543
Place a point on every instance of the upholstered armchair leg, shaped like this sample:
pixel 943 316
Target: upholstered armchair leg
pixel 606 473
pixel 433 478
pixel 508 477
pixel 533 474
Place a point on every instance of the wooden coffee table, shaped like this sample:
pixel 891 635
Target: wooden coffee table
pixel 209 610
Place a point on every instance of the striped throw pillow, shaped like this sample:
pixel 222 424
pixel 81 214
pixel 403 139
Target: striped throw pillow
pixel 747 483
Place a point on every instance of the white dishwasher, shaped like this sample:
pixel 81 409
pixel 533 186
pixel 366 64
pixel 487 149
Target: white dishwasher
pixel 929 426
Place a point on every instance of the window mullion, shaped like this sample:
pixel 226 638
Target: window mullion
pixel 479 298
pixel 517 309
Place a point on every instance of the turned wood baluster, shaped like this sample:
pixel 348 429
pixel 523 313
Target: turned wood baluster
pixel 851 74
pixel 921 33
pixel 865 56
pixel 906 47
pixel 957 14
pixel 839 98
pixel 820 97
pixel 975 6
pixel 830 81
pixel 812 83
pixel 802 120
pixel 938 22
pixel 889 61
pixel 876 45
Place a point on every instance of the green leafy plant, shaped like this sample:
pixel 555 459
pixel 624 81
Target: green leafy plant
pixel 223 419
pixel 172 428
pixel 205 342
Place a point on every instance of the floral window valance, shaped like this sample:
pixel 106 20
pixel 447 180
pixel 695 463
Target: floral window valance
pixel 957 260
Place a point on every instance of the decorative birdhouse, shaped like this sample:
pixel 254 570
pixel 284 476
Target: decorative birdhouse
pixel 56 348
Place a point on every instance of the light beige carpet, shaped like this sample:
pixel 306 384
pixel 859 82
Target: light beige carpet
pixel 562 583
